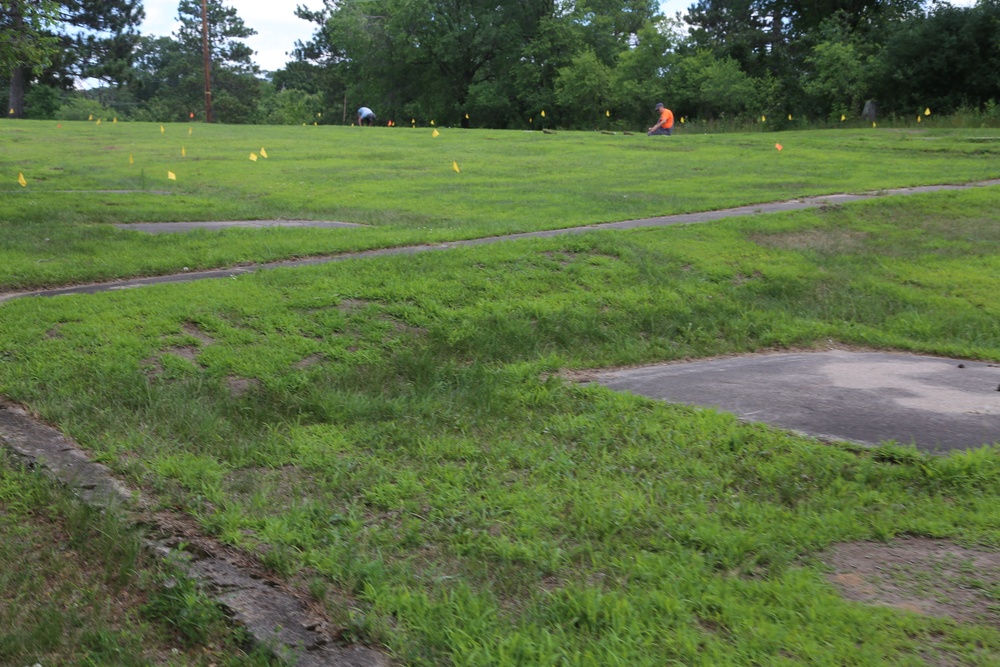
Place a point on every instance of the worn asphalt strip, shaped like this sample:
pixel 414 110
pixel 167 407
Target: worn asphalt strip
pixel 681 219
pixel 272 616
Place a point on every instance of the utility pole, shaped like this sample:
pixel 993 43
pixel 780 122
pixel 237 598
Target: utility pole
pixel 208 61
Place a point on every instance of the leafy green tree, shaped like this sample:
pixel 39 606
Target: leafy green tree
pixel 99 37
pixel 742 30
pixel 26 44
pixel 609 27
pixel 170 82
pixel 584 89
pixel 88 39
pixel 645 72
pixel 289 106
pixel 710 87
pixel 837 79
pixel 945 59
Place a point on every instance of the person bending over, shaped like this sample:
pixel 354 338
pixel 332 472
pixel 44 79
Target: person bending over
pixel 366 116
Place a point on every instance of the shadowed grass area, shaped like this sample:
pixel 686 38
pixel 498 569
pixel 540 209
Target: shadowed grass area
pixel 400 183
pixel 76 588
pixel 396 431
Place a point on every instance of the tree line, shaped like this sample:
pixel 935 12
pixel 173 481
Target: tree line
pixel 501 63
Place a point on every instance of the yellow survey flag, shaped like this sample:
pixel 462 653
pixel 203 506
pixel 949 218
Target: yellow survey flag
pixel 11 112
pixel 413 121
pixel 190 130
pixel 763 119
pixel 172 176
pixel 315 123
pixel 435 133
pixel 98 121
pixel 115 119
pixel 842 118
pixel 543 113
pixel 432 122
pixel 454 166
pixel 608 113
pixel 90 117
pixel 919 119
pixel 682 119
pixel 183 152
pixel 20 179
pixel 263 153
pixel 130 160
pixel 319 114
pixel 466 116
pixel 162 130
pixel 253 157
pixel 873 124
pixel 927 111
pixel 789 116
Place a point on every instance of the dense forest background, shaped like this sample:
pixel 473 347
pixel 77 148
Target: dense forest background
pixel 586 63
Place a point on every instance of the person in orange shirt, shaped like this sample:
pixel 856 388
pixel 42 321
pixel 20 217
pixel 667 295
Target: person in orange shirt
pixel 665 125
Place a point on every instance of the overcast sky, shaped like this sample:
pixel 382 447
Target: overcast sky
pixel 276 24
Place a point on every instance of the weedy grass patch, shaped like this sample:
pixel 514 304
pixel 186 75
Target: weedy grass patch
pixel 83 177
pixel 395 430
pixel 76 588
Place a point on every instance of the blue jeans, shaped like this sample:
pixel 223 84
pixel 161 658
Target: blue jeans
pixel 661 130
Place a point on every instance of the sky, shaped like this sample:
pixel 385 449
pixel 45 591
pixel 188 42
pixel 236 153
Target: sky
pixel 276 24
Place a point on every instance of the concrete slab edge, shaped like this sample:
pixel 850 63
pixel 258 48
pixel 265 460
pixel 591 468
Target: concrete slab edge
pixel 274 618
pixel 679 219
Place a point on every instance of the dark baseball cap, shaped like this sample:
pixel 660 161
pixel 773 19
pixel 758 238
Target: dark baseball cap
pixel 659 105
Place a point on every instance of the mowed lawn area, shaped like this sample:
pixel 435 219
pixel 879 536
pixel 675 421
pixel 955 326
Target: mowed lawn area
pixel 400 182
pixel 400 436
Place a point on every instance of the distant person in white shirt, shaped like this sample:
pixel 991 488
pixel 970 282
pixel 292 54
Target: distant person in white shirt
pixel 366 116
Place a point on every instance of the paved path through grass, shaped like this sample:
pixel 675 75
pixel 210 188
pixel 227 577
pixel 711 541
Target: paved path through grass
pixel 681 219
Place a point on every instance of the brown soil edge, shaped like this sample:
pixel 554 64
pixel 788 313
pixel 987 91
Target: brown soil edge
pixel 276 616
pixel 924 576
pixel 680 219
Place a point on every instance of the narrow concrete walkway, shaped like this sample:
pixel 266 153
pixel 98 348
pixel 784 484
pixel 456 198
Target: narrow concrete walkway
pixel 182 227
pixel 935 403
pixel 682 219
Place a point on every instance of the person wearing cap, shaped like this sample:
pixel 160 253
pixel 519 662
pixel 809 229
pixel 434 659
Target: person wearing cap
pixel 665 125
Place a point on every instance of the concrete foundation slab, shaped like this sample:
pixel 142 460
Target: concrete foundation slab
pixel 936 403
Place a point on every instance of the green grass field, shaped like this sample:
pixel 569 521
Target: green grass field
pixel 395 432
pixel 400 182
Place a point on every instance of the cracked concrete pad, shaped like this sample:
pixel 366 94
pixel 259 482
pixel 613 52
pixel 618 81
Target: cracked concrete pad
pixel 938 404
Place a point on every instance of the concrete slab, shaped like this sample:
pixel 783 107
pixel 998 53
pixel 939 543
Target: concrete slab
pixel 181 227
pixel 681 219
pixel 936 403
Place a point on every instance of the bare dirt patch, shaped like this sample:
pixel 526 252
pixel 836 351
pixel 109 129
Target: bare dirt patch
pixel 193 330
pixel 352 305
pixel 920 575
pixel 238 386
pixel 822 240
pixel 311 360
pixel 740 279
pixel 188 352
